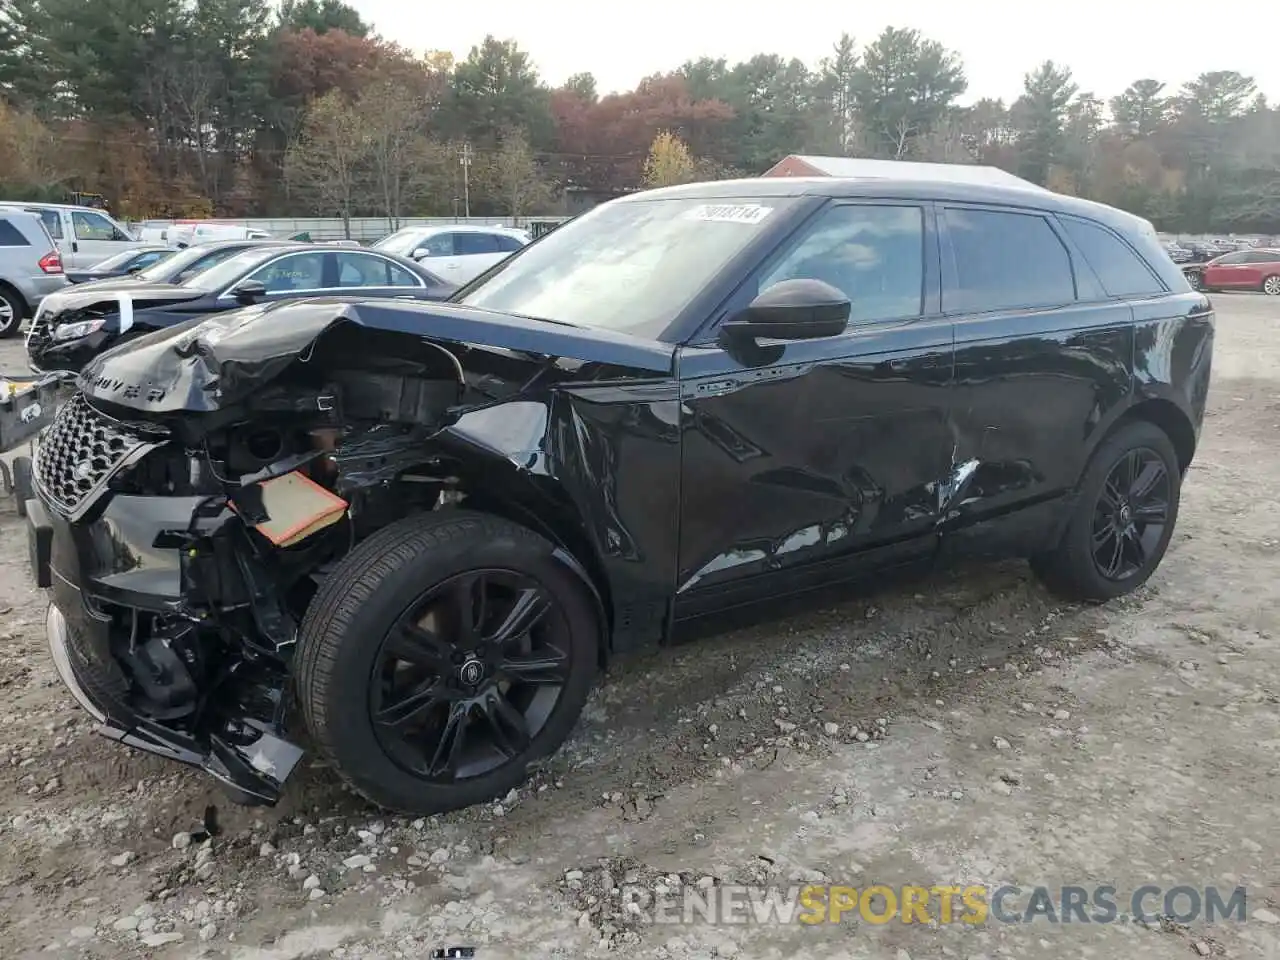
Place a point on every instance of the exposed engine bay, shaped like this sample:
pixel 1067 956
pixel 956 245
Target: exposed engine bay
pixel 207 491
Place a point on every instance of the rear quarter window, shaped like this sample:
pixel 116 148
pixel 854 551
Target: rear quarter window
pixel 10 235
pixel 52 222
pixel 1120 270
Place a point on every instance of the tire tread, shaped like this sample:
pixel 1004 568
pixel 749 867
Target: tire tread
pixel 353 582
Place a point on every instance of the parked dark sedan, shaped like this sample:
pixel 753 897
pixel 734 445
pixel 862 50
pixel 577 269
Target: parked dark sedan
pixel 428 525
pixel 75 325
pixel 184 264
pixel 121 265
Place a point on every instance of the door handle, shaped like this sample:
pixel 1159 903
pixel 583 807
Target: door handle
pixel 75 247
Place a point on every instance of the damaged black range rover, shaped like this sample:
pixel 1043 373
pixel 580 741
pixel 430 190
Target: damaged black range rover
pixel 418 529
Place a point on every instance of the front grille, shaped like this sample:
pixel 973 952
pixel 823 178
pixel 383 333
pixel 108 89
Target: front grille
pixel 78 454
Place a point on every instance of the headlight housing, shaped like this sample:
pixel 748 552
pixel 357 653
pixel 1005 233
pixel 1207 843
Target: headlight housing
pixel 81 328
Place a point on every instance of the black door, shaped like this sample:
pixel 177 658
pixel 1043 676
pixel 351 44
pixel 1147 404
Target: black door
pixel 803 461
pixel 1043 356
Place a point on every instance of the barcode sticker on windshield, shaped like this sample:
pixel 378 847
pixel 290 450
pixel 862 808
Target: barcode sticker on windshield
pixel 749 213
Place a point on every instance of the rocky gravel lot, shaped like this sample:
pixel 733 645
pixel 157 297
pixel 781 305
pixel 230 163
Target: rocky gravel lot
pixel 962 729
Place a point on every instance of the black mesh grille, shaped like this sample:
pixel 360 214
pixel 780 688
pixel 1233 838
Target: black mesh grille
pixel 79 452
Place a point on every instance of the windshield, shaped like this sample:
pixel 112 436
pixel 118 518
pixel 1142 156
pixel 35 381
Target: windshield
pixel 402 242
pixel 230 269
pixel 629 266
pixel 172 265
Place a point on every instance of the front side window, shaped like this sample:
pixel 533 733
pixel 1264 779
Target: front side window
pixel 1120 270
pixel 1006 261
pixel 94 226
pixel 873 254
pixel 301 271
pixel 1229 259
pixel 435 245
pixel 507 244
pixel 631 265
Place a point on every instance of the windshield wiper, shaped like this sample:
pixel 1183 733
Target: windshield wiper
pixel 525 316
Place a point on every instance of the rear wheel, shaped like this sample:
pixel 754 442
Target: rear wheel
pixel 1124 517
pixel 1271 286
pixel 442 656
pixel 12 310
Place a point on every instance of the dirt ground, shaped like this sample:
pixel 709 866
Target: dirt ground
pixel 965 729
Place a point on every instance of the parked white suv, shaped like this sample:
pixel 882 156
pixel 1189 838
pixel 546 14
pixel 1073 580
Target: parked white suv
pixel 83 235
pixel 455 251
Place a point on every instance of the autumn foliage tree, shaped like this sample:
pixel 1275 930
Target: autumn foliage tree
pixel 327 167
pixel 669 162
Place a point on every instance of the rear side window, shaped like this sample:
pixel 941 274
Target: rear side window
pixel 1121 271
pixel 1006 261
pixel 11 236
pixel 507 244
pixel 465 244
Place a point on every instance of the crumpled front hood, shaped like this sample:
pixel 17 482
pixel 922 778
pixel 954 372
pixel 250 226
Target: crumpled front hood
pixel 106 292
pixel 204 365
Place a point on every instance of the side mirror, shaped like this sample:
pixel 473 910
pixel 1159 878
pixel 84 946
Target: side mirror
pixel 800 309
pixel 248 291
pixel 420 254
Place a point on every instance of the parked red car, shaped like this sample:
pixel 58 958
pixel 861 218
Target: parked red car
pixel 1242 270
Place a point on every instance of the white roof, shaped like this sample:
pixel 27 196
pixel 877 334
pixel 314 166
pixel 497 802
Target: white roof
pixel 868 169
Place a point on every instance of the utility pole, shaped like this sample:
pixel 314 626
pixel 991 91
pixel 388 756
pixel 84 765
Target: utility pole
pixel 466 179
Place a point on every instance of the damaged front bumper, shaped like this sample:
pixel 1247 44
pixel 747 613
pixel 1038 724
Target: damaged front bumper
pixel 102 576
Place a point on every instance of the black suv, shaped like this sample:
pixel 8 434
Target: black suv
pixel 428 525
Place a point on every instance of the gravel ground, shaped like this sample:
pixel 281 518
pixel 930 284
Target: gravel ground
pixel 963 729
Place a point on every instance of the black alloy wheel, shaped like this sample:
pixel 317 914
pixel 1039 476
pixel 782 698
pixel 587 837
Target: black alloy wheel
pixel 1130 515
pixel 469 675
pixel 1121 519
pixel 442 656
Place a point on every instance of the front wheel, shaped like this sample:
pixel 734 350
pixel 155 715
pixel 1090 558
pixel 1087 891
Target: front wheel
pixel 1271 286
pixel 442 656
pixel 1126 508
pixel 1193 278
